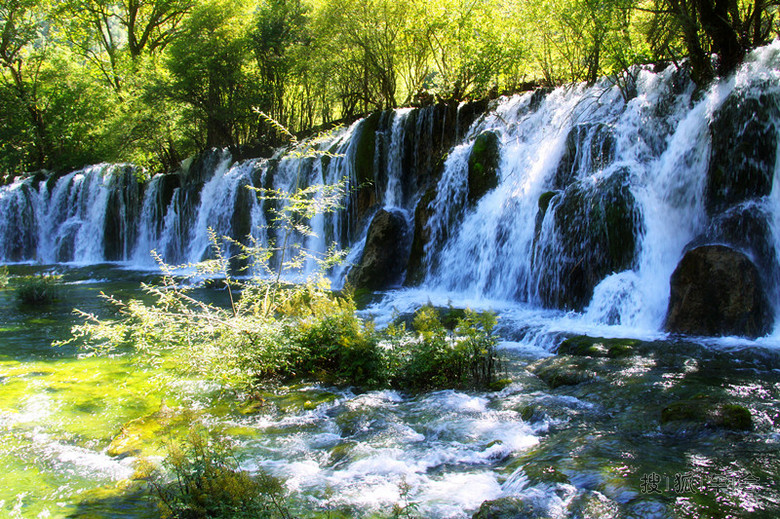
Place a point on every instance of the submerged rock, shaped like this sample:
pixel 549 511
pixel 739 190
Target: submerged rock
pixel 562 370
pixel 703 412
pixel 584 346
pixel 385 254
pixel 716 290
pixel 744 150
pixel 509 508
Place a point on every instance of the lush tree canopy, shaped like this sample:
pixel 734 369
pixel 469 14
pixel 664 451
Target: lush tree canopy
pixel 152 81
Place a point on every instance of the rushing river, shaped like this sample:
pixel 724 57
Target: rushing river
pixel 72 428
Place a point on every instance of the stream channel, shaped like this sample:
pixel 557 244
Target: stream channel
pixel 643 427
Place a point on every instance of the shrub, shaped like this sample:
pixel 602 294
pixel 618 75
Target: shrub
pixel 4 277
pixel 38 290
pixel 202 479
pixel 440 359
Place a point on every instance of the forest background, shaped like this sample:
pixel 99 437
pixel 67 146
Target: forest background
pixel 154 81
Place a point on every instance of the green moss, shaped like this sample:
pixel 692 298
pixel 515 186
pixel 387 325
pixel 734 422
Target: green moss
pixel 483 165
pixel 544 201
pixel 686 411
pixel 702 411
pixel 557 372
pixel 544 473
pixel 584 346
pixel 735 417
pixel 366 148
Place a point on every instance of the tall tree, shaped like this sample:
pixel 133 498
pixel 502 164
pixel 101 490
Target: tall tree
pixel 22 25
pixel 113 34
pixel 280 27
pixel 210 64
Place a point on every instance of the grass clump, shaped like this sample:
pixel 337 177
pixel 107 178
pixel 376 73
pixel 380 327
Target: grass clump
pixel 202 479
pixel 40 289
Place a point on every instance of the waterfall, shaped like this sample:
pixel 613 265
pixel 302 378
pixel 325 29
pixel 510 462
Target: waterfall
pixel 583 198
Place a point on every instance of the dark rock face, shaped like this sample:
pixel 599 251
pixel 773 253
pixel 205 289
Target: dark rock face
pixel 588 147
pixel 744 151
pixel 21 226
pixel 122 210
pixel 483 165
pixel 385 254
pixel 716 290
pixel 595 234
pixel 365 193
pixel 422 235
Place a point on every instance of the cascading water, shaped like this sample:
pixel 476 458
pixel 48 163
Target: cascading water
pixel 593 195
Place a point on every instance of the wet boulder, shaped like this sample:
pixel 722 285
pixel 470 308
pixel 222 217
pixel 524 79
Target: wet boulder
pixel 744 150
pixel 386 252
pixel 716 290
pixel 594 233
pixel 483 165
pixel 747 227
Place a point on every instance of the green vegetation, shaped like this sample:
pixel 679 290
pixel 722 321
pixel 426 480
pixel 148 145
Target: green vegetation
pixel 277 333
pixel 152 81
pixel 202 479
pixel 4 277
pixel 37 290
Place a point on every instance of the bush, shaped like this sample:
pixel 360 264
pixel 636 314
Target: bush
pixel 202 479
pixel 4 277
pixel 439 359
pixel 38 290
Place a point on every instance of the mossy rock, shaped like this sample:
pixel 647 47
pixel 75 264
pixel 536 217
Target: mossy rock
pixel 483 165
pixel 703 412
pixel 385 254
pixel 149 434
pixel 559 371
pixel 593 505
pixel 744 150
pixel 589 147
pixel 340 452
pixel 734 417
pixel 501 383
pixel 584 346
pixel 544 473
pixel 290 399
pixel 596 224
pixel 509 508
pixel 364 197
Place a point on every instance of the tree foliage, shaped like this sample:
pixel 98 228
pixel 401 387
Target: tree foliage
pixel 153 81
